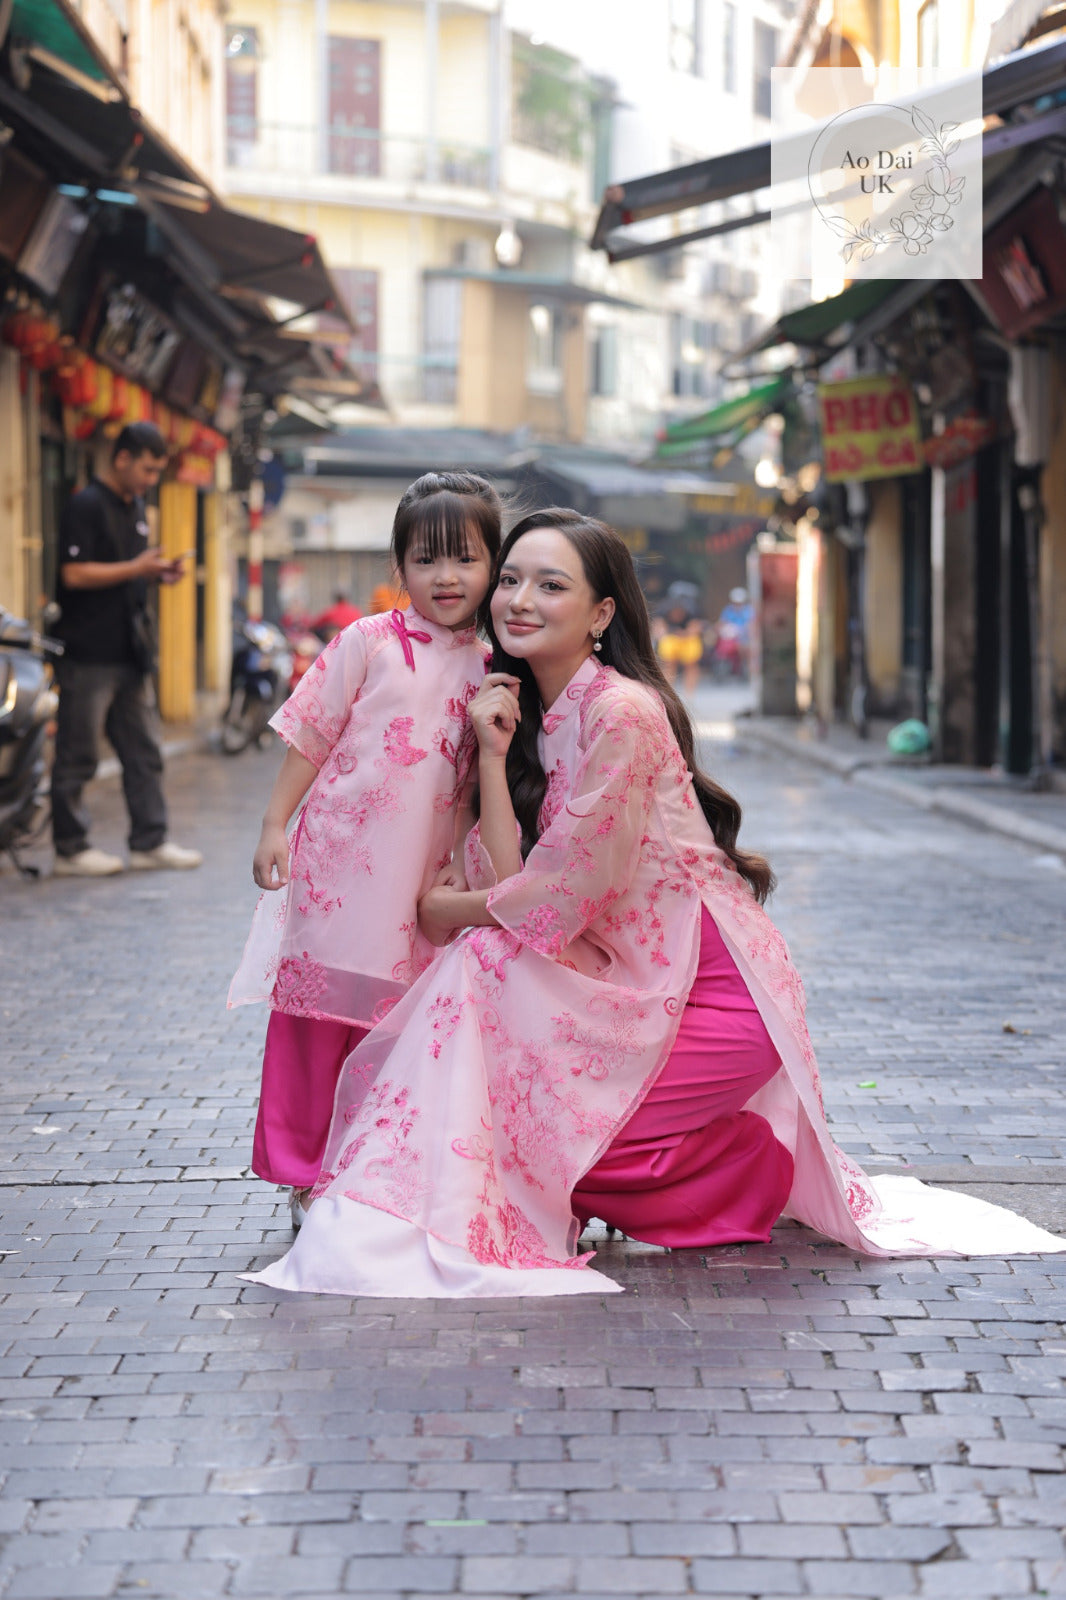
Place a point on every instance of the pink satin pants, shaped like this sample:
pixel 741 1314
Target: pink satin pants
pixel 301 1064
pixel 691 1166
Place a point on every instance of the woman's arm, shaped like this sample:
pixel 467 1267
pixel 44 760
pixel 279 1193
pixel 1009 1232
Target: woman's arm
pixel 495 715
pixel 272 852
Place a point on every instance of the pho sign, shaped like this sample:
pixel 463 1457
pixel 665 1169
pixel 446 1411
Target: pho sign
pixel 869 429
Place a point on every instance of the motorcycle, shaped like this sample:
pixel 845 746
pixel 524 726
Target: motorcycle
pixel 27 705
pixel 262 664
pixel 306 649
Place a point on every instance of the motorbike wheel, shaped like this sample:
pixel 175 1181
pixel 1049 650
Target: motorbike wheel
pixel 236 734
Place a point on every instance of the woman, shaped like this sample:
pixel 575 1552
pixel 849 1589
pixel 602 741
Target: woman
pixel 620 1029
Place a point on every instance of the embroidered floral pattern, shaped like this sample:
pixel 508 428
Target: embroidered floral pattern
pixel 547 1029
pixel 392 747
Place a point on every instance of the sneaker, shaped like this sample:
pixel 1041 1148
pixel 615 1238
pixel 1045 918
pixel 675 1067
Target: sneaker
pixel 167 854
pixel 87 864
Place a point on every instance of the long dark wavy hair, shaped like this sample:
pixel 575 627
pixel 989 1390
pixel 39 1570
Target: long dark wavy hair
pixel 627 646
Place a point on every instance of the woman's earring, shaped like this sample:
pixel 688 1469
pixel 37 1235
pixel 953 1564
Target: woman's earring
pixel 597 635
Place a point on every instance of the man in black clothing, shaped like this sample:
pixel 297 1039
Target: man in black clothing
pixel 105 568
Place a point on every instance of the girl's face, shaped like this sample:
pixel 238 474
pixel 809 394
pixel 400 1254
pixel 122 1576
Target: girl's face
pixel 448 589
pixel 543 609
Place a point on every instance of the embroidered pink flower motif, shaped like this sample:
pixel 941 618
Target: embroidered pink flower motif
pixel 398 745
pixel 299 983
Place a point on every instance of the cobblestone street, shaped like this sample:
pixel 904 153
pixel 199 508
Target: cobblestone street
pixel 755 1421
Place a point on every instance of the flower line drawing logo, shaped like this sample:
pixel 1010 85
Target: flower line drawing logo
pixel 931 200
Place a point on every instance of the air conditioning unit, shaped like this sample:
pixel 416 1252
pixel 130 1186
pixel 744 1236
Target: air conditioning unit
pixel 474 254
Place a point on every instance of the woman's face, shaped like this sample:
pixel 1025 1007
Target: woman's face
pixel 543 609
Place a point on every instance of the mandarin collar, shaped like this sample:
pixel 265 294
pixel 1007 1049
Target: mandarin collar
pixel 415 619
pixel 567 703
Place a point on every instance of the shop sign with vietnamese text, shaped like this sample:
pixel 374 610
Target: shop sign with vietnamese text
pixel 869 429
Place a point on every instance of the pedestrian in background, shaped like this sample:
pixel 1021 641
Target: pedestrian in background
pixel 336 617
pixel 378 732
pixel 106 567
pixel 679 636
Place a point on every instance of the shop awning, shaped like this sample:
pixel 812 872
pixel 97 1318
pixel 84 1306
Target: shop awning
pixel 260 257
pixel 52 32
pixel 731 418
pixel 1017 80
pixel 1018 21
pixel 541 283
pixel 814 325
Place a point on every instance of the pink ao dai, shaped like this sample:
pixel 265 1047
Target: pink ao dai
pixel 465 1119
pixel 383 715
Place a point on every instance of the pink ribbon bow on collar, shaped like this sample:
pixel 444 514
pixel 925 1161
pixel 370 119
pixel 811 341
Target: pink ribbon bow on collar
pixel 406 634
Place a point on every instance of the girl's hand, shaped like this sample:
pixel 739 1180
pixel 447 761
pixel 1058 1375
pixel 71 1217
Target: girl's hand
pixel 438 916
pixel 495 714
pixel 271 857
pixel 450 877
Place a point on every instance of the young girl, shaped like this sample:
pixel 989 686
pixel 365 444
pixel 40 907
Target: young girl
pixel 378 731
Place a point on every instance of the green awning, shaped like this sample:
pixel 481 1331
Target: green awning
pixel 812 324
pixel 51 26
pixel 735 416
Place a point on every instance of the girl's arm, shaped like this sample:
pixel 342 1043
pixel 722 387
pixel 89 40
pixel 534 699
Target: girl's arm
pixel 443 910
pixel 272 852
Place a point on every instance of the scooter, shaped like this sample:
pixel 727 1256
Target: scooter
pixel 261 666
pixel 27 705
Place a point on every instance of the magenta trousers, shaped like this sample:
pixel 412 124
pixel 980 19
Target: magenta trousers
pixel 691 1166
pixel 301 1064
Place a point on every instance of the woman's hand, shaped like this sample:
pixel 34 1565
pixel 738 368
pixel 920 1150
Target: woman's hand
pixel 271 856
pixel 438 914
pixel 495 714
pixel 450 877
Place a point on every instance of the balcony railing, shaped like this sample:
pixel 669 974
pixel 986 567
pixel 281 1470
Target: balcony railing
pixel 295 151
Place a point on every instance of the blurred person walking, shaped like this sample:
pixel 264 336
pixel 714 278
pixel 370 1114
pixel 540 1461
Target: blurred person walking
pixel 105 568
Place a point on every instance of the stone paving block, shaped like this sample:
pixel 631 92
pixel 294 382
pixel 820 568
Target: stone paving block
pixel 516 1574
pixel 747 1577
pixel 954 1580
pixel 858 1578
pixel 83 1582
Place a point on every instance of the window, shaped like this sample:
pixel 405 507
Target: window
pixel 691 344
pixel 765 60
pixel 603 377
pixel 552 101
pixel 359 286
pixel 442 310
pixel 544 351
pixel 929 34
pixel 242 94
pixel 729 48
pixel 354 106
pixel 686 41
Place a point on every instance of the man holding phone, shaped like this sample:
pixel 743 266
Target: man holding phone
pixel 105 568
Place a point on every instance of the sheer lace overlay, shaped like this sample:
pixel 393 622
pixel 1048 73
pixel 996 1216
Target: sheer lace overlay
pixel 383 715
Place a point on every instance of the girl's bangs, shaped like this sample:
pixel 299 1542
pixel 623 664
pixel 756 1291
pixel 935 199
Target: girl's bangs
pixel 446 524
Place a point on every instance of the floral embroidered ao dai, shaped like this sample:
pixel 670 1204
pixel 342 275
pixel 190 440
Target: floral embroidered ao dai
pixel 466 1117
pixel 382 713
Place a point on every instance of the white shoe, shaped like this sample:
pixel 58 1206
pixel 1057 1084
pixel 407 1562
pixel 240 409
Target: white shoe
pixel 88 863
pixel 298 1209
pixel 166 854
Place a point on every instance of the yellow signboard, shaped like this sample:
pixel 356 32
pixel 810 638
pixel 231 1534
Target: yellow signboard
pixel 869 429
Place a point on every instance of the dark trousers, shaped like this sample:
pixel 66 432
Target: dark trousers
pixel 111 700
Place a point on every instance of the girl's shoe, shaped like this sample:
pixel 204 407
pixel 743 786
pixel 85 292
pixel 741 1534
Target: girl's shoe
pixel 298 1209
